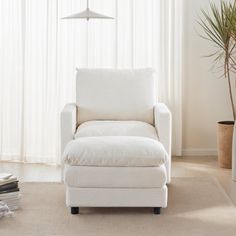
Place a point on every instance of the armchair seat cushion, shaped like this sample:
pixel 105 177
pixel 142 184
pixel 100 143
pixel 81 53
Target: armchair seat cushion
pixel 116 128
pixel 123 151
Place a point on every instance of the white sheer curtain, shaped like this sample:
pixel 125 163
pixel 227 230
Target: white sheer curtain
pixel 39 53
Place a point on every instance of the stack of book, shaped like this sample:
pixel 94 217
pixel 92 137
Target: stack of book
pixel 9 191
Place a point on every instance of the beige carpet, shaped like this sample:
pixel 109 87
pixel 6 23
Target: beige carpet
pixel 197 206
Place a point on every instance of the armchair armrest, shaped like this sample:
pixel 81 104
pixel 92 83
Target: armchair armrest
pixel 163 125
pixel 68 124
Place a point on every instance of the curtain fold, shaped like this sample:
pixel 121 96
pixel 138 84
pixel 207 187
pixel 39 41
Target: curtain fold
pixel 39 54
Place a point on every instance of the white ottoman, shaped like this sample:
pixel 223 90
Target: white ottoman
pixel 115 171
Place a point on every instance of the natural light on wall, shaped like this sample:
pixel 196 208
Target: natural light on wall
pixel 40 51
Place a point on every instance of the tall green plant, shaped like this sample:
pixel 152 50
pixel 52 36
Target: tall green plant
pixel 219 25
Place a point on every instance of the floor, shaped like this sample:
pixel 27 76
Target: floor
pixel 181 167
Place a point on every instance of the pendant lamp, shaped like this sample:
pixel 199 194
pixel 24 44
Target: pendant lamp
pixel 87 14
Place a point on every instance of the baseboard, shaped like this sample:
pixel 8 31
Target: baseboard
pixel 199 152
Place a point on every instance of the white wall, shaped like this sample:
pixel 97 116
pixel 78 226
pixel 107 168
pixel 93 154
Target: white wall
pixel 205 95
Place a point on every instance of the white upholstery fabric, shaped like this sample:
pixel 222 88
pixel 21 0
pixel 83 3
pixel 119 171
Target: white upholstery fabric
pixel 163 124
pixel 115 177
pixel 116 128
pixel 107 94
pixel 68 124
pixel 115 151
pixel 116 197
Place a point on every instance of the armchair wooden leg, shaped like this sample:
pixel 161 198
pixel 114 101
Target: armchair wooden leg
pixel 74 210
pixel 157 210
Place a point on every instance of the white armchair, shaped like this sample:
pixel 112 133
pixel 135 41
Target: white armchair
pixel 116 142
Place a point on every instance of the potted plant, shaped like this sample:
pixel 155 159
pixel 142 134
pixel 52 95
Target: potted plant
pixel 219 26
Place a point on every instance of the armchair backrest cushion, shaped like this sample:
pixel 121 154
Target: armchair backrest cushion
pixel 111 94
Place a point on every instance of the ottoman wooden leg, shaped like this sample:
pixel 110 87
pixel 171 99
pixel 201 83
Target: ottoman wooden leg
pixel 74 210
pixel 157 210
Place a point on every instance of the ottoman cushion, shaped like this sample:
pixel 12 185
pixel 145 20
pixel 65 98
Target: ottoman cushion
pixel 123 151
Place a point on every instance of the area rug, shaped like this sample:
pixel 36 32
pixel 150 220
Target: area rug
pixel 197 206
